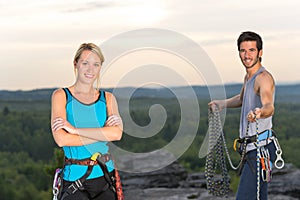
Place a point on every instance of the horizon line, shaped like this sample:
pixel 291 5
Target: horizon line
pixel 213 85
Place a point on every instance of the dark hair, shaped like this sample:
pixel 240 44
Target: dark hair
pixel 250 36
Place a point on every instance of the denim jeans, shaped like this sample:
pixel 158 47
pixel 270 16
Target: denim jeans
pixel 247 189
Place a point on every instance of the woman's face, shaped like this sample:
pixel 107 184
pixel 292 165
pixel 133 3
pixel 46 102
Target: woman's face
pixel 88 67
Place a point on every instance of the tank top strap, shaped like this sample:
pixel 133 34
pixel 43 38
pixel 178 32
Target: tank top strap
pixel 260 70
pixel 102 96
pixel 68 94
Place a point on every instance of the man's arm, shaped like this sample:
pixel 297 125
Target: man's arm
pixel 265 87
pixel 233 102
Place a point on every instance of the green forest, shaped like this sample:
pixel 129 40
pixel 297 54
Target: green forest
pixel 29 154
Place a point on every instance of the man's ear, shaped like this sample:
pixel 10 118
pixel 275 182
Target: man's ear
pixel 260 53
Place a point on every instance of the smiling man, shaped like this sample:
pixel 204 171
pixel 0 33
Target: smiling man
pixel 257 101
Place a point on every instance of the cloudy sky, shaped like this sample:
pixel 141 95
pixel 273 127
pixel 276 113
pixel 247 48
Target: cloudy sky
pixel 39 38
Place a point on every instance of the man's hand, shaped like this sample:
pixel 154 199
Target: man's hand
pixel 253 115
pixel 216 104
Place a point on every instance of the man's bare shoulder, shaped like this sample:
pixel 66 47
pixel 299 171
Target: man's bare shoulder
pixel 265 76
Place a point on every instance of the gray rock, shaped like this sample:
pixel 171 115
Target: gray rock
pixel 175 183
pixel 172 176
pixel 286 181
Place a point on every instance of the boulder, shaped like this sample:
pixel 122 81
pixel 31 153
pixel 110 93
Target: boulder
pixel 171 176
pixel 175 183
pixel 286 181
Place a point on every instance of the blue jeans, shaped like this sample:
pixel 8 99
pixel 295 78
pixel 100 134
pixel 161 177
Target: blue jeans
pixel 248 182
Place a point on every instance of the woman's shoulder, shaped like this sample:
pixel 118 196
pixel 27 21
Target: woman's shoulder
pixel 108 96
pixel 107 93
pixel 59 93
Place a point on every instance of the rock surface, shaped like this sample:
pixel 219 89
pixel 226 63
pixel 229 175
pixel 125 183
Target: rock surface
pixel 175 183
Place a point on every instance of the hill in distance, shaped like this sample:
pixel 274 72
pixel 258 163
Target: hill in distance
pixel 284 93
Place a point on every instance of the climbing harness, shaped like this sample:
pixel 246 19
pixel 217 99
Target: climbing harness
pixel 113 182
pixel 215 157
pixel 216 185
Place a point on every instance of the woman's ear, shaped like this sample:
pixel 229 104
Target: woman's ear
pixel 75 69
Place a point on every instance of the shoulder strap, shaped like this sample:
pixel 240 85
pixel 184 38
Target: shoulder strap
pixel 104 99
pixel 68 94
pixel 102 95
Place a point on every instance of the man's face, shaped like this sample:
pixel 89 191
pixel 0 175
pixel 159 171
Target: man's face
pixel 249 54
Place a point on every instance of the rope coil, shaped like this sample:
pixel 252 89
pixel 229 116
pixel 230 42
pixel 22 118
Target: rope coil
pixel 217 184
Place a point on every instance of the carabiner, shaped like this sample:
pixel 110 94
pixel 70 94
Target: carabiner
pixel 234 144
pixel 56 183
pixel 55 193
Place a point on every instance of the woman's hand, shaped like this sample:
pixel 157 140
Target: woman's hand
pixel 113 120
pixel 60 123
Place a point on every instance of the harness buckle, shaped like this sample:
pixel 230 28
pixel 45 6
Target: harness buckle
pixel 73 188
pixel 92 162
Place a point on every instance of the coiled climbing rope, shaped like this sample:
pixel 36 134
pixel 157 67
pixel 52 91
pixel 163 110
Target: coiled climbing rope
pixel 217 184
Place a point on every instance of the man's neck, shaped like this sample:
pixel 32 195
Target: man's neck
pixel 251 71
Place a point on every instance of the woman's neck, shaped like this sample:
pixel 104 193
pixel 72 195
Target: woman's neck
pixel 83 89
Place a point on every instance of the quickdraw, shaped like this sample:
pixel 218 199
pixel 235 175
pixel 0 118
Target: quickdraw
pixel 266 168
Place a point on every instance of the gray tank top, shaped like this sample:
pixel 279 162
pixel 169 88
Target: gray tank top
pixel 251 101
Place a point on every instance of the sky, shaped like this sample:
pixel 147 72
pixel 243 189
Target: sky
pixel 39 38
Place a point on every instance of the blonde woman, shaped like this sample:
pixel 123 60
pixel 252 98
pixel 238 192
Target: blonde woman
pixel 83 120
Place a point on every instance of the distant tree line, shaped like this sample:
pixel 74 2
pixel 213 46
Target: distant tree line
pixel 29 154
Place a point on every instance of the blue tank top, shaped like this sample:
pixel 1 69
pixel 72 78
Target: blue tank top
pixel 251 101
pixel 82 115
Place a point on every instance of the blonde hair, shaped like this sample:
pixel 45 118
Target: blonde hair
pixel 93 48
pixel 89 46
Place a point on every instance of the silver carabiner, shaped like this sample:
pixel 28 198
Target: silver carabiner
pixel 56 183
pixel 279 162
pixel 55 193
